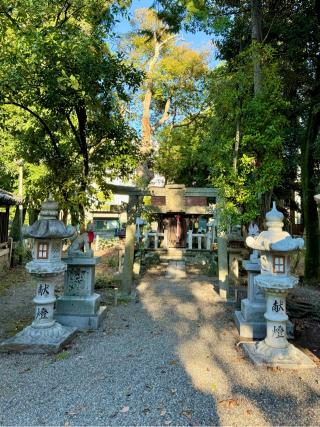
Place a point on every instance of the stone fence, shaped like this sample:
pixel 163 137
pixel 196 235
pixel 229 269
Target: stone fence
pixel 204 240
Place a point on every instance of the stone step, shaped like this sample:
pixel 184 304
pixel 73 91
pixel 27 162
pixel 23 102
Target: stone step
pixel 176 270
pixel 173 254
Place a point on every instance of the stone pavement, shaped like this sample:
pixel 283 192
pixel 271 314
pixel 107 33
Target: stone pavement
pixel 170 358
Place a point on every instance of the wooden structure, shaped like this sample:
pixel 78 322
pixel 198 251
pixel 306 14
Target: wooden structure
pixel 183 209
pixel 6 200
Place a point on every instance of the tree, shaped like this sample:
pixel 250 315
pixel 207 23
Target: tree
pixel 292 29
pixel 60 75
pixel 174 79
pixel 246 171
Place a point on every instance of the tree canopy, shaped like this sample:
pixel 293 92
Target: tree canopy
pixel 62 90
pixel 77 111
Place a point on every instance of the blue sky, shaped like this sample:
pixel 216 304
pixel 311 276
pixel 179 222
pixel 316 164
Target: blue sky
pixel 197 41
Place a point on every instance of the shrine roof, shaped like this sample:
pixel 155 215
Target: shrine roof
pixel 7 199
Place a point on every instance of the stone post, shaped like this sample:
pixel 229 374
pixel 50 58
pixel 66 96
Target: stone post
pixel 250 321
pixel 199 241
pixel 190 239
pixel 165 239
pixel 146 239
pixel 275 280
pixel 223 265
pixel 120 260
pixel 208 240
pixel 80 305
pixel 44 334
pixel 127 272
pixel 156 241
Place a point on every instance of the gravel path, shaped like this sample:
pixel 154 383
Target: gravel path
pixel 168 359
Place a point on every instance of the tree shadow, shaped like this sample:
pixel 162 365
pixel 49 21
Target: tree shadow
pixel 205 343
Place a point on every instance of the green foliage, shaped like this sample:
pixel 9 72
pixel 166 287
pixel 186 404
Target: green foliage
pixel 262 123
pixel 62 94
pixel 183 146
pixel 112 261
pixel 174 80
pixel 105 243
pixel 63 355
pixel 21 254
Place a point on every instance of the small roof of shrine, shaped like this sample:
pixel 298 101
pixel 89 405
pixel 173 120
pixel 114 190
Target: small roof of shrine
pixel 7 199
pixel 179 198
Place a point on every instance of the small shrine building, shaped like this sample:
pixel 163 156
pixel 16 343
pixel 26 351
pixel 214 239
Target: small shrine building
pixel 180 210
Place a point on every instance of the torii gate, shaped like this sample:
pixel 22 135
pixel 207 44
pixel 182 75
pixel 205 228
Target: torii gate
pixel 134 194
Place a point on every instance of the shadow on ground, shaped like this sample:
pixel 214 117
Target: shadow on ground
pixel 206 346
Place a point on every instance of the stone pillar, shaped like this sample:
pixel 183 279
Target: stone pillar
pixel 208 240
pixel 233 267
pixel 97 242
pixel 120 260
pixel 156 241
pixel 190 239
pixel 250 321
pixel 146 239
pixel 213 233
pixel 165 239
pixel 223 265
pixel 199 242
pixel 127 273
pixel 80 305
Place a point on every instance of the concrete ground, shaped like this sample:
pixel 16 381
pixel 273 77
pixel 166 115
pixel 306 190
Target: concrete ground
pixel 170 358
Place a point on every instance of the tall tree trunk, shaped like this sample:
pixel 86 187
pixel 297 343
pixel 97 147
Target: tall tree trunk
pixel 236 146
pixel 146 143
pixel 65 212
pixel 309 184
pixel 256 37
pixel 146 129
pixel 33 215
pixel 256 16
pixel 82 141
pixel 15 226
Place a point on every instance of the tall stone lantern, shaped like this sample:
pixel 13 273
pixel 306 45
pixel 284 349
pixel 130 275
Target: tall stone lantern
pixel 44 334
pixel 275 280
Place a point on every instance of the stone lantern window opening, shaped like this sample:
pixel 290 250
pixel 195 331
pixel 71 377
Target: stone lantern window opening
pixel 279 264
pixel 43 250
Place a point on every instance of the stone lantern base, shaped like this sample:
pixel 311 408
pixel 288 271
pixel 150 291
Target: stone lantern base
pixel 82 321
pixel 80 306
pixel 39 340
pixel 289 357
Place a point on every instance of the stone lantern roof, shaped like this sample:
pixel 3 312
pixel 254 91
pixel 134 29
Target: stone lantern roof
pixel 274 239
pixel 48 226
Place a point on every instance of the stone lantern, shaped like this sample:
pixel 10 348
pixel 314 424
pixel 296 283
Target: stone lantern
pixel 275 280
pixel 44 334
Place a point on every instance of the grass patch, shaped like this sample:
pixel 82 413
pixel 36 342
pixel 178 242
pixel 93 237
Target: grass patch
pixel 62 356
